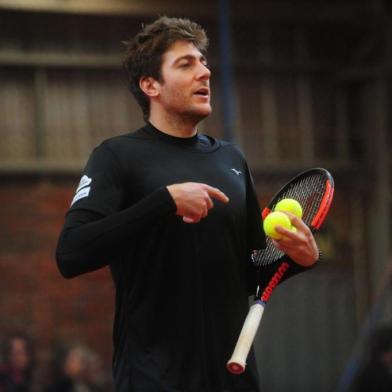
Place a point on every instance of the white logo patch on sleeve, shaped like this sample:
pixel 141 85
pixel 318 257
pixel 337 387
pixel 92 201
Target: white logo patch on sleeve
pixel 84 181
pixel 81 194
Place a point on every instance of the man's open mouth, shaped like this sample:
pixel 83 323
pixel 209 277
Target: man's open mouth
pixel 204 91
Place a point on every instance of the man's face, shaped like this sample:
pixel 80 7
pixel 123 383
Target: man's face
pixel 185 86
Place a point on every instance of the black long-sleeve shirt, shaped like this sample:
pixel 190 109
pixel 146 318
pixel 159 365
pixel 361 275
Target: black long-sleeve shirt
pixel 181 289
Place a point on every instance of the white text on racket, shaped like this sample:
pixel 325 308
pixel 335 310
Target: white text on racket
pixel 276 278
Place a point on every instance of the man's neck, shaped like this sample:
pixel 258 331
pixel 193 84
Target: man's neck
pixel 179 127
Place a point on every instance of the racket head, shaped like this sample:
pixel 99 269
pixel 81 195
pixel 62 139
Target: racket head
pixel 313 189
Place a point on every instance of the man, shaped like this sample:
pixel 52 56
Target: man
pixel 175 216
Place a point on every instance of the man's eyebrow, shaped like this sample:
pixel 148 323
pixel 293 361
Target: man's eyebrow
pixel 191 57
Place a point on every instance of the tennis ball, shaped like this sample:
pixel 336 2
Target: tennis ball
pixel 289 205
pixel 272 220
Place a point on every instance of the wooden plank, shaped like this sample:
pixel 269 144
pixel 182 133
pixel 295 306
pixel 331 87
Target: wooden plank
pixel 113 7
pixel 269 109
pixel 361 270
pixel 375 122
pixel 44 166
pixel 113 61
pixel 61 60
pixel 40 87
pixel 268 12
pixel 342 125
pixel 305 106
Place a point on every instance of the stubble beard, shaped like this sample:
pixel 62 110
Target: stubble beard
pixel 196 114
pixel 184 111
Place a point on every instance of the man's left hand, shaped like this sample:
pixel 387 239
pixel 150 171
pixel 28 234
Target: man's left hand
pixel 299 245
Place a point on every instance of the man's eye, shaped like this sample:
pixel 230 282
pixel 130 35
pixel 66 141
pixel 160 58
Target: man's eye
pixel 184 65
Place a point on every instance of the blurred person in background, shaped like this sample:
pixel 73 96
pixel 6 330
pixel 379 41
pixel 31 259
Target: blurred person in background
pixel 68 369
pixel 96 377
pixel 18 363
pixel 375 372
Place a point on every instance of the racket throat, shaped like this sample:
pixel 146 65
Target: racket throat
pixel 277 277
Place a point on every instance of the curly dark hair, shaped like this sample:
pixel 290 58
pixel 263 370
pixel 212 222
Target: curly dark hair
pixel 143 54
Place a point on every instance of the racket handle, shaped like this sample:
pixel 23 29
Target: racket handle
pixel 237 362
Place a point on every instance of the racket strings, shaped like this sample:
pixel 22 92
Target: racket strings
pixel 309 192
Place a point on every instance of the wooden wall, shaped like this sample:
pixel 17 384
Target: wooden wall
pixel 304 96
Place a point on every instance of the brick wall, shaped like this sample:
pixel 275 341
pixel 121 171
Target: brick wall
pixel 34 298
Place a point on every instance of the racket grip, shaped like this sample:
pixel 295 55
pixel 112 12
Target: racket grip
pixel 237 362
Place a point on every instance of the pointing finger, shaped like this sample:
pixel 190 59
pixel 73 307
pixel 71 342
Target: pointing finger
pixel 216 194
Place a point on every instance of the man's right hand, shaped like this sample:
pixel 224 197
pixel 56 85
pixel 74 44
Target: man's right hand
pixel 194 199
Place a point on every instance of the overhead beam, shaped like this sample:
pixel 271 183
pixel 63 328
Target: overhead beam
pixel 58 60
pixel 267 12
pixel 113 7
pixel 307 12
pixel 364 73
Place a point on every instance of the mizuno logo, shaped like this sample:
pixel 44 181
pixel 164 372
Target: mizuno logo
pixel 236 171
pixel 275 280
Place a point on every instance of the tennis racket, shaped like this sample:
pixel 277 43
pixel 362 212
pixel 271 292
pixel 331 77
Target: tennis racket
pixel 313 189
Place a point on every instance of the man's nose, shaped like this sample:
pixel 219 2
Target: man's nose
pixel 203 72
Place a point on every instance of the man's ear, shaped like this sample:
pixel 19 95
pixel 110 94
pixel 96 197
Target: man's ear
pixel 149 86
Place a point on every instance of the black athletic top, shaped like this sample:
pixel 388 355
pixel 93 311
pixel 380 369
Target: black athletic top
pixel 181 289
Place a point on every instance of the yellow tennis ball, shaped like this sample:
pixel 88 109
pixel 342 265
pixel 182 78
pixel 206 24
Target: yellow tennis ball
pixel 289 205
pixel 272 220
